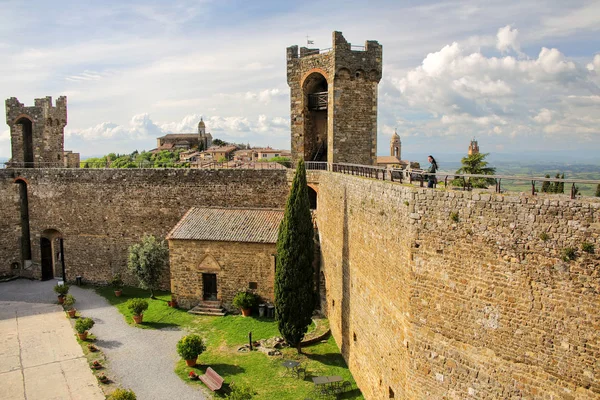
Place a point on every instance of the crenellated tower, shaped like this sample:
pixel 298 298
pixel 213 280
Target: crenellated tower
pixel 37 133
pixel 334 101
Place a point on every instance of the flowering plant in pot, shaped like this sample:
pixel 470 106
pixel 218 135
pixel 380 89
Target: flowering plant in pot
pixel 95 365
pixel 189 348
pixel 137 307
pixel 103 378
pixel 82 326
pixel 245 300
pixel 117 284
pixel 68 303
pixel 92 348
pixel 193 375
pixel 61 291
pixel 172 302
pixel 122 394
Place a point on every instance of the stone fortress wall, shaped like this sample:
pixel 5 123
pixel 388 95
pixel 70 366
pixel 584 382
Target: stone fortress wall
pixel 424 306
pixel 101 212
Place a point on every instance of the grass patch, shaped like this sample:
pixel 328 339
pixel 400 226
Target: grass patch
pixel 224 335
pixel 158 315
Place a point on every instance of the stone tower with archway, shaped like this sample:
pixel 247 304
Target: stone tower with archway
pixel 333 95
pixel 396 146
pixel 37 133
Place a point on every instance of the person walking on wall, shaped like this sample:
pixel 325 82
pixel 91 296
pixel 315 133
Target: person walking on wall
pixel 433 167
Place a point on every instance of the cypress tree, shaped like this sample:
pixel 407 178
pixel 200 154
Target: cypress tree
pixel 561 185
pixel 294 283
pixel 546 185
pixel 555 185
pixel 598 190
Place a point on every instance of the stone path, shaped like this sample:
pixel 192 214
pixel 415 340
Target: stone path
pixel 39 355
pixel 140 359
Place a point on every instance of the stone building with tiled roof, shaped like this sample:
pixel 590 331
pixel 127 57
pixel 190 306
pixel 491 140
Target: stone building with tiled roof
pixel 186 141
pixel 215 252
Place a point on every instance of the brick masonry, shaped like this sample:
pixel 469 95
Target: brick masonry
pixel 100 213
pixel 426 307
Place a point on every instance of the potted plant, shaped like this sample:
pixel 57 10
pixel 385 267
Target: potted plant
pixel 245 300
pixel 122 394
pixel 189 348
pixel 68 302
pixel 103 378
pixel 61 291
pixel 82 326
pixel 137 307
pixel 92 348
pixel 117 284
pixel 173 302
pixel 193 375
pixel 95 365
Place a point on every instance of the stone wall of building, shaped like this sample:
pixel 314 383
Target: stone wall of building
pixel 425 303
pixel 10 228
pixel 100 213
pixel 236 264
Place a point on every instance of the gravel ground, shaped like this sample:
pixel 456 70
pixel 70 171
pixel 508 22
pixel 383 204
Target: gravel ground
pixel 140 359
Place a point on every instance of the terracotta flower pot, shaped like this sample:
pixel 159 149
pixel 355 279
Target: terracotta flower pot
pixel 246 312
pixel 173 303
pixel 118 292
pixel 192 362
pixel 82 336
pixel 138 318
pixel 61 299
pixel 72 312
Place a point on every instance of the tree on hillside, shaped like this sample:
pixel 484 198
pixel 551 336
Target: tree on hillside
pixel 475 164
pixel 294 283
pixel 546 185
pixel 148 260
pixel 554 185
pixel 218 142
pixel 598 190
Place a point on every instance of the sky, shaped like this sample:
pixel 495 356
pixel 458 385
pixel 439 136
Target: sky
pixel 518 75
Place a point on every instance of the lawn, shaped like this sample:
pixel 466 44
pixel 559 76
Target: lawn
pixel 224 335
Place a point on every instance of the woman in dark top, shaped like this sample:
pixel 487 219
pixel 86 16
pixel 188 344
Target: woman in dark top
pixel 433 167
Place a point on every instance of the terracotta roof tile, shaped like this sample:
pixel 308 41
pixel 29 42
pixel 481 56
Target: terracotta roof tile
pixel 253 225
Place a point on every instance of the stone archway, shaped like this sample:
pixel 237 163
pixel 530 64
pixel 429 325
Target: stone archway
pixel 52 254
pixel 315 89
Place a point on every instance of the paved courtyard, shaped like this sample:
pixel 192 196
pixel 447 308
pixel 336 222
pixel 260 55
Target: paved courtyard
pixel 39 355
pixel 38 347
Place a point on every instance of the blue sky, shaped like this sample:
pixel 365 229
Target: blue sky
pixel 518 75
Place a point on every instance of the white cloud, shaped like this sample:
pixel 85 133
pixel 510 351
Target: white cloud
pixel 5 136
pixel 595 64
pixel 543 117
pixel 507 39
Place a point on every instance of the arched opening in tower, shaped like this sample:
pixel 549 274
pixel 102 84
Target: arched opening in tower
pixel 25 233
pixel 315 124
pixel 26 128
pixel 312 198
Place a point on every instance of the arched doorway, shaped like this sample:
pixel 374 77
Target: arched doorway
pixel 26 128
pixel 24 209
pixel 315 90
pixel 52 254
pixel 312 198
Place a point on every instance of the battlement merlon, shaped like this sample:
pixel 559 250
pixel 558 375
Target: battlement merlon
pixel 42 108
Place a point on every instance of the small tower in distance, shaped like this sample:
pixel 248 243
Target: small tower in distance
pixel 473 147
pixel 396 146
pixel 333 96
pixel 205 140
pixel 37 133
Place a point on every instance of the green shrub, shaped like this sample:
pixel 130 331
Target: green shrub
pixel 84 324
pixel 116 281
pixel 406 203
pixel 239 392
pixel 587 247
pixel 137 306
pixel 454 216
pixel 61 290
pixel 544 236
pixel 68 302
pixel 123 394
pixel 245 299
pixel 568 254
pixel 191 346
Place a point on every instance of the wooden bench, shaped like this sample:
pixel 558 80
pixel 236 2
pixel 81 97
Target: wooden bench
pixel 212 380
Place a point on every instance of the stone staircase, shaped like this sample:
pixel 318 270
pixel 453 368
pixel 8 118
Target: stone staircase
pixel 208 308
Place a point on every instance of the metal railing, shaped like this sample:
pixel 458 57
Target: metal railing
pixel 411 176
pixel 157 165
pixel 318 101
